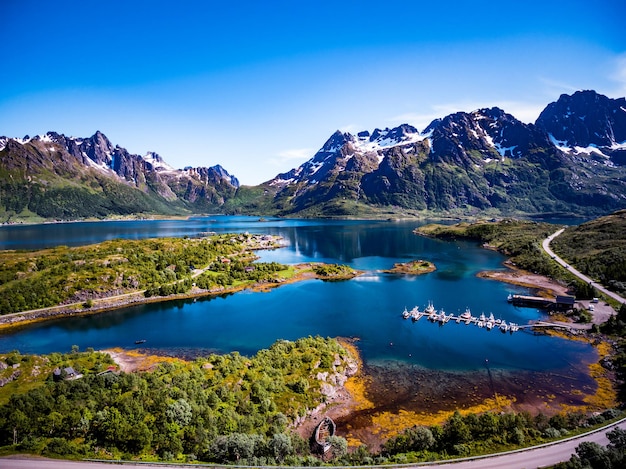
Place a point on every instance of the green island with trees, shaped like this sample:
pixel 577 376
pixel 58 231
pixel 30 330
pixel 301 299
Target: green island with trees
pixel 334 271
pixel 416 267
pixel 156 267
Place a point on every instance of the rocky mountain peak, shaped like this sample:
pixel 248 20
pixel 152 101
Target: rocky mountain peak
pixel 336 141
pixel 584 119
pixel 156 162
pixel 397 135
pixel 222 173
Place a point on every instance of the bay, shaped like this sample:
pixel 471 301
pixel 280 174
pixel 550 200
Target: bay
pixel 367 308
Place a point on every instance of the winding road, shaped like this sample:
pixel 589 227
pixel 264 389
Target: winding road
pixel 546 247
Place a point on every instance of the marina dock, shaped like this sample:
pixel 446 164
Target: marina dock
pixel 482 321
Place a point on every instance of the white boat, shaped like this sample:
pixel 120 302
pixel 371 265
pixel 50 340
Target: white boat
pixel 513 327
pixel 430 308
pixel 491 318
pixel 482 317
pixel 480 323
pixel 504 326
pixel 489 325
pixel 406 314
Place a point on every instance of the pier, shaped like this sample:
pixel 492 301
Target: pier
pixel 537 301
pixel 561 302
pixel 482 321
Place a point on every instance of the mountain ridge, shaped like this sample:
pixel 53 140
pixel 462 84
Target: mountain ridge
pixel 571 160
pixel 52 176
pixel 484 160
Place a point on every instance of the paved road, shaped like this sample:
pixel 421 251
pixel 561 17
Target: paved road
pixel 540 456
pixel 546 247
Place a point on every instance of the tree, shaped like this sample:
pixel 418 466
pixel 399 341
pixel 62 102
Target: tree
pixel 179 412
pixel 421 438
pixel 233 447
pixel 593 454
pixel 617 437
pixel 338 446
pixel 280 446
pixel 18 422
pixel 455 431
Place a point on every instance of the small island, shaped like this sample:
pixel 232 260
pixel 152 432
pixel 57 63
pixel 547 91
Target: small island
pixel 417 267
pixel 334 271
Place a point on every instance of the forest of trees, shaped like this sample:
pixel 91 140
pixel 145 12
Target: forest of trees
pixel 222 408
pixel 164 266
pixel 226 409
pixel 485 433
pixel 598 248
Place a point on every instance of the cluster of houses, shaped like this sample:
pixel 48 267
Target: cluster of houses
pixel 68 373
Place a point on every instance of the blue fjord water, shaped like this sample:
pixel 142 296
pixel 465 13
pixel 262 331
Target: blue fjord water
pixel 367 308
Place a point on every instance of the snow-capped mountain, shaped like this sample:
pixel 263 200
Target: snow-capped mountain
pixel 68 177
pixel 571 160
pixel 587 123
pixel 342 147
pixel 473 161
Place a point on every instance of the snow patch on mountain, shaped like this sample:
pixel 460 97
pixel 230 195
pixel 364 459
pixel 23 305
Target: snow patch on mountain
pixel 157 162
pixel 103 167
pixel 560 144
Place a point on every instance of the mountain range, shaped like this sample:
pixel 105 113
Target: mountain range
pixel 572 160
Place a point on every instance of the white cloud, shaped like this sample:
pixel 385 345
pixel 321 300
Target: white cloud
pixel 293 154
pixel 619 75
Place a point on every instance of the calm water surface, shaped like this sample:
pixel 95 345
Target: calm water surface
pixel 367 308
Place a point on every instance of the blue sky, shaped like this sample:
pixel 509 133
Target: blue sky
pixel 258 87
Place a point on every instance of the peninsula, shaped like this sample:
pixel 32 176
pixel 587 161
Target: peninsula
pixel 63 281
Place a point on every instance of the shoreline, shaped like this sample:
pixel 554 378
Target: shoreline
pixel 302 271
